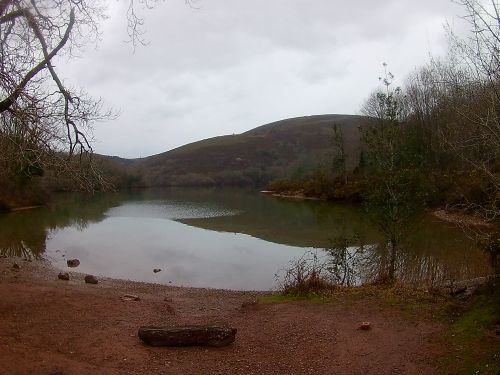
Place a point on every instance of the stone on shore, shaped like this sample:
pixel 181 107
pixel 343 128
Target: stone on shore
pixel 365 326
pixel 63 276
pixel 73 263
pixel 91 279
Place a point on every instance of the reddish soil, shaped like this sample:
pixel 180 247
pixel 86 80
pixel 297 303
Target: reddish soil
pixel 51 326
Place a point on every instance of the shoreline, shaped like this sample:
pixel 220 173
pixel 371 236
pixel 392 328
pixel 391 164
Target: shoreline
pixel 292 196
pixel 460 218
pixel 450 216
pixel 46 271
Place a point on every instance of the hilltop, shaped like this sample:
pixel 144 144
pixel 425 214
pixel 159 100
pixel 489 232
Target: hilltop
pixel 278 149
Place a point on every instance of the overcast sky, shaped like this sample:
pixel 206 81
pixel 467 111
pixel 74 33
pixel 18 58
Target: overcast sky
pixel 233 65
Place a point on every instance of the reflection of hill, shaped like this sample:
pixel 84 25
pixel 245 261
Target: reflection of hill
pixel 303 224
pixel 24 233
pixel 432 252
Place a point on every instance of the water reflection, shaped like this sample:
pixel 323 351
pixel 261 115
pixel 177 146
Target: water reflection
pixel 228 238
pixel 293 223
pixel 427 268
pixel 21 236
pixel 25 233
pixel 186 255
pixel 423 259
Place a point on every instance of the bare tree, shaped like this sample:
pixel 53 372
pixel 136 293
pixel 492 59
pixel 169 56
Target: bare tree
pixel 45 124
pixel 32 33
pixel 477 98
pixel 479 146
pixel 455 106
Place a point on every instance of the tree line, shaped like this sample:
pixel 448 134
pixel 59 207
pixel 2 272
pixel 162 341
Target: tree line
pixel 440 131
pixel 433 141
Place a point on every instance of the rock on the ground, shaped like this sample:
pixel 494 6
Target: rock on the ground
pixel 15 266
pixel 91 279
pixel 130 297
pixel 187 336
pixel 63 276
pixel 73 263
pixel 365 326
pixel 250 305
pixel 156 270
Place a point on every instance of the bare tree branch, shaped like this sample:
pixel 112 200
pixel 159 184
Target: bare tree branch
pixel 6 103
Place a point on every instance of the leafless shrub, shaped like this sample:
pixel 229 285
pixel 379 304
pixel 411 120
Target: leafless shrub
pixel 307 275
pixel 320 272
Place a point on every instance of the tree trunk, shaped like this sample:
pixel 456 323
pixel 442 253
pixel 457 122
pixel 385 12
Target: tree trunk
pixel 392 259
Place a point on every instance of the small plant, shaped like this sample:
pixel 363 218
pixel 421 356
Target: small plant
pixel 320 273
pixel 306 276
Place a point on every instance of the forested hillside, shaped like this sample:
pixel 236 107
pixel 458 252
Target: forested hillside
pixel 289 147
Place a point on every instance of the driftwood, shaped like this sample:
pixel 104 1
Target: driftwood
pixel 187 336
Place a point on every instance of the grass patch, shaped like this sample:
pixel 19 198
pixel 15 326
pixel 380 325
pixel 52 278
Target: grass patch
pixel 474 346
pixel 415 303
pixel 283 298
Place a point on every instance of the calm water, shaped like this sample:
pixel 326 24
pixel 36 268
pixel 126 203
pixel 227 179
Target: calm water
pixel 233 239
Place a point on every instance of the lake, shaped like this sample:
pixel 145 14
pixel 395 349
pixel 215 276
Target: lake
pixel 220 238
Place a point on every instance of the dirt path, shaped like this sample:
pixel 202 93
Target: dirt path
pixel 50 326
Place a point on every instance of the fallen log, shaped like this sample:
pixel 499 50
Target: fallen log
pixel 187 336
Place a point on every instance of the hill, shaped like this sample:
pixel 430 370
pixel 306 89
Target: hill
pixel 286 147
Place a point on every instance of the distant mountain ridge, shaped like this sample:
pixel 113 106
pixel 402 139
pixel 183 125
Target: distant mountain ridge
pixel 270 151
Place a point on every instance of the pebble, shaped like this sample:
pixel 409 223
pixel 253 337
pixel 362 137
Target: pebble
pixel 63 276
pixel 365 326
pixel 91 279
pixel 73 263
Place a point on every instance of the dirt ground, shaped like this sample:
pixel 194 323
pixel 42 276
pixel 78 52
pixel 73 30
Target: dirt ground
pixel 51 326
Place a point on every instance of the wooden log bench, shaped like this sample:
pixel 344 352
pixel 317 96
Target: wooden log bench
pixel 187 336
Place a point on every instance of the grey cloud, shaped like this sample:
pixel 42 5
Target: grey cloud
pixel 233 65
